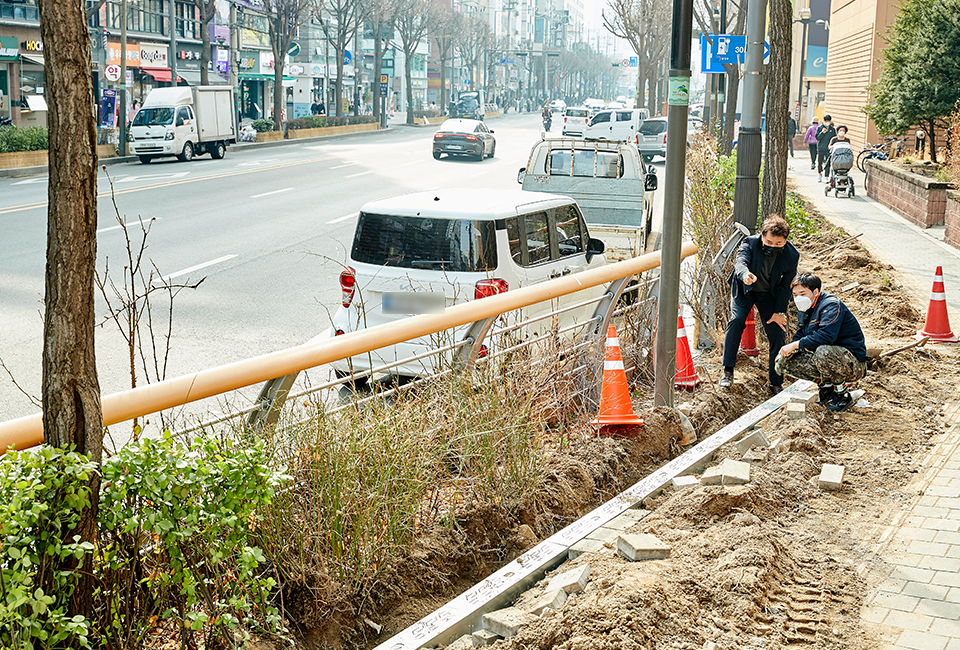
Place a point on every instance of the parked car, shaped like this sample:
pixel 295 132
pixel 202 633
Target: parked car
pixel 652 137
pixel 457 137
pixel 575 120
pixel 184 122
pixel 619 125
pixel 558 105
pixel 424 252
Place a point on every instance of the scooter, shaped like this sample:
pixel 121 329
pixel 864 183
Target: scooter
pixel 547 121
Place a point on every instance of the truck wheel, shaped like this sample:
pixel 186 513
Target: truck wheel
pixel 187 154
pixel 218 151
pixel 145 159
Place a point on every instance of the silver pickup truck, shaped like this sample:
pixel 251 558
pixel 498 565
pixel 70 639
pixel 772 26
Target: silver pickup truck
pixel 608 180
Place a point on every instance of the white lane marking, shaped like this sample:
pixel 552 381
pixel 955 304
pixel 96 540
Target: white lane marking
pixel 152 177
pixel 128 224
pixel 349 164
pixel 257 196
pixel 344 218
pixel 477 174
pixel 258 162
pixel 360 174
pixel 31 181
pixel 197 267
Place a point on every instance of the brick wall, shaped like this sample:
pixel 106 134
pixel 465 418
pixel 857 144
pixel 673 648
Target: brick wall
pixel 951 233
pixel 920 199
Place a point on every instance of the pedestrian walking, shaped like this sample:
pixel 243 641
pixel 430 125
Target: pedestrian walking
pixel 762 274
pixel 810 139
pixel 828 346
pixel 791 132
pixel 825 134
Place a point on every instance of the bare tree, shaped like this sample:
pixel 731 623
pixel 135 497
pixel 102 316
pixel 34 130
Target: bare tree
pixel 207 10
pixel 645 24
pixel 472 38
pixel 445 31
pixel 72 415
pixel 382 15
pixel 709 25
pixel 284 20
pixel 343 18
pixel 776 145
pixel 414 19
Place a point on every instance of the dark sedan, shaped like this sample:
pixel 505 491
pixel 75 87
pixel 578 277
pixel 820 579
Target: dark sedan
pixel 458 137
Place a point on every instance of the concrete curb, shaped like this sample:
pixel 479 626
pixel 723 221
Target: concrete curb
pixel 40 170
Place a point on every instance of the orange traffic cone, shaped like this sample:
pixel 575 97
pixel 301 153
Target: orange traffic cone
pixel 748 341
pixel 686 376
pixel 616 409
pixel 937 326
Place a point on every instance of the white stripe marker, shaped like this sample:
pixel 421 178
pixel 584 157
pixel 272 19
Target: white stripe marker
pixel 345 217
pixel 613 365
pixel 198 267
pixel 938 296
pixel 938 278
pixel 257 196
pixel 613 342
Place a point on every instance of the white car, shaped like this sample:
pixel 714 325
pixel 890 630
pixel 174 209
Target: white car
pixel 423 252
pixel 575 119
pixel 557 105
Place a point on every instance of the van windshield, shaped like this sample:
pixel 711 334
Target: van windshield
pixel 154 116
pixel 460 245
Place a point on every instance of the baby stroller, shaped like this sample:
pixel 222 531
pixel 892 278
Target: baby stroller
pixel 841 160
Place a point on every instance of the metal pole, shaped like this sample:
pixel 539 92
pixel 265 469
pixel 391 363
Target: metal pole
pixel 234 64
pixel 678 98
pixel 722 90
pixel 746 193
pixel 122 117
pixel 803 55
pixel 173 43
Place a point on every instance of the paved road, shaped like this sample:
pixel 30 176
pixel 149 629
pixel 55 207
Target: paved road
pixel 267 229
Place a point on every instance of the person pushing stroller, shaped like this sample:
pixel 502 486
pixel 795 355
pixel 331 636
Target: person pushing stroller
pixel 839 164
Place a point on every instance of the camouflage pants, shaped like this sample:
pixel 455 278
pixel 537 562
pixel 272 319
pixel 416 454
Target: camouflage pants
pixel 828 364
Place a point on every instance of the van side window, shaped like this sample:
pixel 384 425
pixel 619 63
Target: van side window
pixel 625 116
pixel 513 235
pixel 600 117
pixel 537 237
pixel 184 114
pixel 569 232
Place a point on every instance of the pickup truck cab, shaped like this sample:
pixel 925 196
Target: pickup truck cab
pixel 424 252
pixel 608 180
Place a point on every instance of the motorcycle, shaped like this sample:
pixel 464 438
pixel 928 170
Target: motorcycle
pixel 547 121
pixel 5 121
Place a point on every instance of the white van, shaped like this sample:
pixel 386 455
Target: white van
pixel 423 252
pixel 184 121
pixel 619 125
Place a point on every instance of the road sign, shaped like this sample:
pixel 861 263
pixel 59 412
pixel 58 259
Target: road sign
pixel 383 88
pixel 724 48
pixel 112 72
pixel 294 49
pixel 634 62
pixel 625 63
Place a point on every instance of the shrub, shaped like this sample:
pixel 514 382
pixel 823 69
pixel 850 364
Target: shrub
pixel 13 138
pixel 261 126
pixel 300 123
pixel 42 493
pixel 801 224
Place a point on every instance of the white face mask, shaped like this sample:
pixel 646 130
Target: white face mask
pixel 802 302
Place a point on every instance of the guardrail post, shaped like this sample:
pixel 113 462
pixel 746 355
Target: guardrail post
pixel 466 355
pixel 272 396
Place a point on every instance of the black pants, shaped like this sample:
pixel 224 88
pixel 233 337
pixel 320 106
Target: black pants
pixel 790 140
pixel 775 335
pixel 813 154
pixel 823 161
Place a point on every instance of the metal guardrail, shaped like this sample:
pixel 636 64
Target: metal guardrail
pixel 277 368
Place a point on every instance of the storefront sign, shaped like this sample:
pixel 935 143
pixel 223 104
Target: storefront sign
pixel 9 48
pixel 188 55
pixel 133 54
pixel 153 56
pixel 32 46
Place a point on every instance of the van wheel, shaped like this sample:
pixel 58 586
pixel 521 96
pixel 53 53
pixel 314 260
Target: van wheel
pixel 145 159
pixel 187 154
pixel 219 151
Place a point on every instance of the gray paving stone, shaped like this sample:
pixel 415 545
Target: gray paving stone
pixel 484 638
pixel 945 627
pixel 893 586
pixel 921 590
pixel 796 411
pixel 954 551
pixel 898 602
pixel 947 536
pixel 953 644
pixel 902 558
pixel 911 533
pixel 948 578
pixel 756 438
pixel 928 548
pixel 921 641
pixel 604 534
pixel 943 524
pixel 570 581
pixel 642 547
pixel 874 614
pixel 683 482
pixel 908 621
pixel 831 477
pixel 938 608
pixel 913 574
pixel 729 472
pixel 940 563
pixel 505 622
pixel 943 492
pixel 930 511
pixel 585 546
pixel 463 643
pixel 548 600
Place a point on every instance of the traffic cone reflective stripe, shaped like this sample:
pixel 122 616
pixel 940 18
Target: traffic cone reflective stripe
pixel 937 326
pixel 686 375
pixel 616 409
pixel 748 340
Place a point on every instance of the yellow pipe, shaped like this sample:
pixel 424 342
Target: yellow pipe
pixel 119 407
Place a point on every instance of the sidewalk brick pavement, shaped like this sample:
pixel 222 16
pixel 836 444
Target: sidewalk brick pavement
pixel 917 602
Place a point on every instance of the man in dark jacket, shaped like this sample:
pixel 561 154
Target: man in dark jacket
pixel 828 347
pixel 825 134
pixel 764 268
pixel 791 132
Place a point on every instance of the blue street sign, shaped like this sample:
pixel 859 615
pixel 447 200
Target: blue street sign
pixel 634 62
pixel 383 90
pixel 724 48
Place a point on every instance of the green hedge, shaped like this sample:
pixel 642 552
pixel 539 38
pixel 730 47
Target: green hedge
pixel 321 121
pixel 13 138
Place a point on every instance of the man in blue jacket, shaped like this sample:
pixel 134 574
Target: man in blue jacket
pixel 764 268
pixel 828 347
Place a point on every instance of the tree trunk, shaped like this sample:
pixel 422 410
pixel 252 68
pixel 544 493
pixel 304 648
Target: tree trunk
pixel 408 75
pixel 204 46
pixel 931 129
pixel 338 95
pixel 377 68
pixel 71 391
pixel 357 74
pixel 638 100
pixel 443 81
pixel 278 87
pixel 730 116
pixel 777 147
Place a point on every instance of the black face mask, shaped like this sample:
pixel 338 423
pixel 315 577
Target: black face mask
pixel 770 251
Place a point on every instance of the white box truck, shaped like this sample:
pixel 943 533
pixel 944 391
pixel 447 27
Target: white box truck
pixel 184 121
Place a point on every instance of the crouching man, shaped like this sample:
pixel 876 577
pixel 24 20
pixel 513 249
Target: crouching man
pixel 828 347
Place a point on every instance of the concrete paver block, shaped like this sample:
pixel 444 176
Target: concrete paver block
pixel 804 398
pixel 548 600
pixel 756 439
pixel 757 456
pixel 796 411
pixel 570 581
pixel 463 643
pixel 831 477
pixel 849 287
pixel 505 622
pixel 729 472
pixel 626 519
pixel 642 547
pixel 682 482
pixel 484 638
pixel 586 545
pixel 604 534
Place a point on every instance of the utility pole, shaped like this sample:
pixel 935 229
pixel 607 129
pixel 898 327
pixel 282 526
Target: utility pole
pixel 234 65
pixel 122 117
pixel 678 99
pixel 722 91
pixel 173 44
pixel 746 192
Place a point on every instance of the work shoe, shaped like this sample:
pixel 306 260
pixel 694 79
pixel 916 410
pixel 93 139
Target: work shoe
pixel 827 393
pixel 839 402
pixel 813 166
pixel 727 380
pixel 775 389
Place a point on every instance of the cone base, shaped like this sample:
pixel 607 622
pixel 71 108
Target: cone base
pixel 618 420
pixel 688 383
pixel 620 430
pixel 752 352
pixel 949 337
